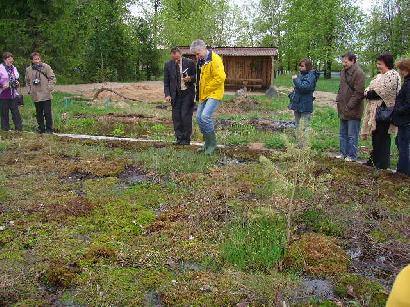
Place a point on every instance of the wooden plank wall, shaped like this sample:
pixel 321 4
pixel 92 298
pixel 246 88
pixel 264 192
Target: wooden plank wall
pixel 256 70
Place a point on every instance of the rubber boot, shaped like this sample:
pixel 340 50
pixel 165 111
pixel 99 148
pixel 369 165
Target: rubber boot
pixel 206 144
pixel 210 149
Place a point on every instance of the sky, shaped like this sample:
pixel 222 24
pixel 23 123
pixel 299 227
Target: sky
pixel 364 4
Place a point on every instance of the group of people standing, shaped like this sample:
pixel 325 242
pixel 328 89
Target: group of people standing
pixel 185 82
pixel 380 110
pixel 40 81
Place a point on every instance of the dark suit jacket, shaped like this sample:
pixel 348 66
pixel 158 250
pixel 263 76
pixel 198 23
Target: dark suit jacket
pixel 171 78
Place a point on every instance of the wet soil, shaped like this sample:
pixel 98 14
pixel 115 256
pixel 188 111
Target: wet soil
pixel 262 124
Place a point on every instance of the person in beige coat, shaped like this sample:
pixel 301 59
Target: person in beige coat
pixel 382 91
pixel 40 81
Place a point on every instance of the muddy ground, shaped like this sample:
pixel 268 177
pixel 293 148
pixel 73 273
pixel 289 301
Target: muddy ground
pixel 153 91
pixel 109 223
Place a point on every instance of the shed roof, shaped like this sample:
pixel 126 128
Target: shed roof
pixel 239 51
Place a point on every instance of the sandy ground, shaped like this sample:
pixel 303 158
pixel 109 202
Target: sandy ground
pixel 153 91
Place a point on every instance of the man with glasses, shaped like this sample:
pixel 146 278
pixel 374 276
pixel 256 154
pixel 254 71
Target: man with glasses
pixel 210 91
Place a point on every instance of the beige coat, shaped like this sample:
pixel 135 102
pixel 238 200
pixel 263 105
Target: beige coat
pixel 42 91
pixel 387 86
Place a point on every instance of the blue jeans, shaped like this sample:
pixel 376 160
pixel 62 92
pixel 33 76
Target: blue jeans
pixel 349 137
pixel 204 114
pixel 403 144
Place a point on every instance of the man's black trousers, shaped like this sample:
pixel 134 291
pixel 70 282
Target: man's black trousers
pixel 43 112
pixel 182 110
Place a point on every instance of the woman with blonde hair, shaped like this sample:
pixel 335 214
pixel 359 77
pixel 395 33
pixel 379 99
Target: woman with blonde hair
pixel 381 96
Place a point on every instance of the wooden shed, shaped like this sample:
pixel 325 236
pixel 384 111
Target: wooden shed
pixel 250 66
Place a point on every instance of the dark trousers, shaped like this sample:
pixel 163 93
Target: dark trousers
pixel 381 141
pixel 403 144
pixel 182 110
pixel 43 112
pixel 9 105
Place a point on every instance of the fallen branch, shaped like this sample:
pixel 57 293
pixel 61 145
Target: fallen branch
pixel 103 89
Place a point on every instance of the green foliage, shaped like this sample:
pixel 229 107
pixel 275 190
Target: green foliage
pixel 368 293
pixel 97 41
pixel 318 221
pixel 255 243
pixel 119 130
pixel 277 141
pixel 166 161
pixel 386 31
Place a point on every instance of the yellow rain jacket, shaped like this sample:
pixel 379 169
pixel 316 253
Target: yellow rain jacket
pixel 400 293
pixel 212 80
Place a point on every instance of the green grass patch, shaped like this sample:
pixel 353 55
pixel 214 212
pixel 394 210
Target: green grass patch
pixel 165 161
pixel 318 221
pixel 256 243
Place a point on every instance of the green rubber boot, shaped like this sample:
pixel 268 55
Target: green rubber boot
pixel 210 149
pixel 206 144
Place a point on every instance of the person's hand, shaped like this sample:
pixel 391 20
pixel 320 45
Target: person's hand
pixel 168 99
pixel 294 77
pixel 17 83
pixel 6 85
pixel 186 79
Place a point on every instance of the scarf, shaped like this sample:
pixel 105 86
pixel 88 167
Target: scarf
pixel 387 86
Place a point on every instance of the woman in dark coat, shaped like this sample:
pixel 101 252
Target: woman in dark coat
pixel 401 118
pixel 302 95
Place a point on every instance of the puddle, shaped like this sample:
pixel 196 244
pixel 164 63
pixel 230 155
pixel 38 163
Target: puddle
pixel 162 106
pixel 259 124
pixel 380 262
pixel 79 176
pixel 153 299
pixel 134 175
pixel 225 161
pixel 320 289
pixel 124 118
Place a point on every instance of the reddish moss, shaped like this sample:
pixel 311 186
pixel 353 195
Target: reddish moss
pixel 317 255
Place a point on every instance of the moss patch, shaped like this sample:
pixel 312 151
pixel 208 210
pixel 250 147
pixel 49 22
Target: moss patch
pixel 366 292
pixel 317 255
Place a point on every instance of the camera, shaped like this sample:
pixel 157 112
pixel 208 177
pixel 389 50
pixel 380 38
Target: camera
pixel 14 84
pixel 36 81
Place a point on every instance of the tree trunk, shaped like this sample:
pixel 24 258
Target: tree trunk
pixel 328 70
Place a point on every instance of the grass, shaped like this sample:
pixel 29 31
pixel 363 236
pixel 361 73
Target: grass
pixel 324 85
pixel 257 243
pixel 95 223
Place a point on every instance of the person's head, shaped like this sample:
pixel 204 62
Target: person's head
pixel 8 58
pixel 175 54
pixel 348 60
pixel 305 65
pixel 198 47
pixel 404 67
pixel 35 58
pixel 385 62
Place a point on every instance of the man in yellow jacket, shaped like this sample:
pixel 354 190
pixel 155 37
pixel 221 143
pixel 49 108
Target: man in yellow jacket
pixel 210 91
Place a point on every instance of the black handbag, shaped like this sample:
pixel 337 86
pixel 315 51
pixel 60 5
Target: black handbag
pixel 384 113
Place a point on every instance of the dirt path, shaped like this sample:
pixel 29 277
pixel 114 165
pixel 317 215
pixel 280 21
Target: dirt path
pixel 146 90
pixel 323 99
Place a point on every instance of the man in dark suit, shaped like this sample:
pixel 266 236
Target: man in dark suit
pixel 179 90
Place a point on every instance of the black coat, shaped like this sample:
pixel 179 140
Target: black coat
pixel 401 113
pixel 172 78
